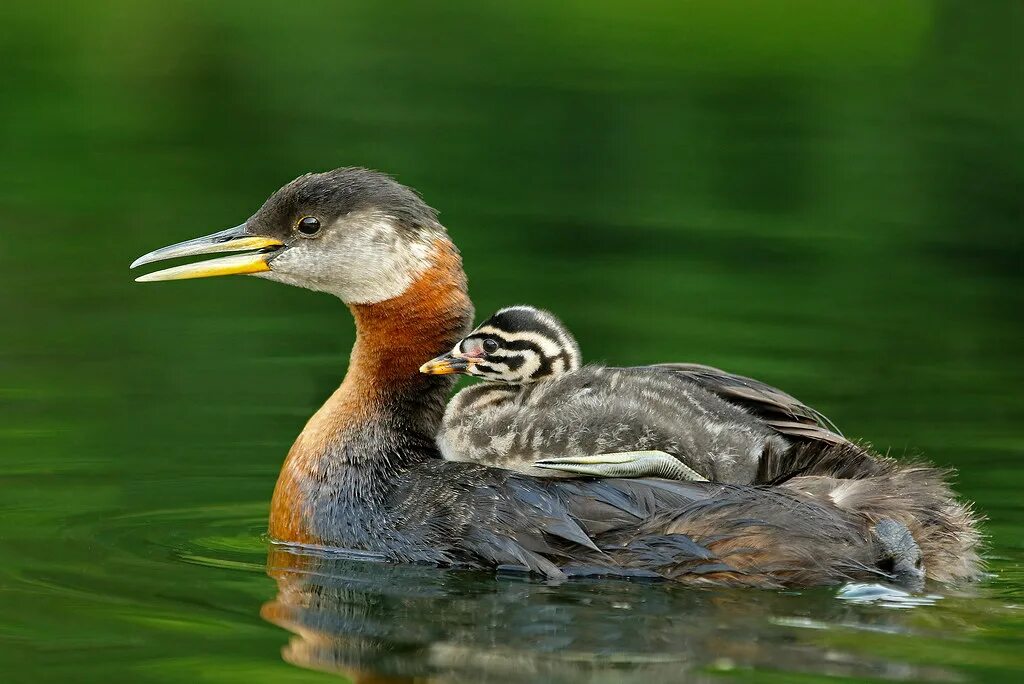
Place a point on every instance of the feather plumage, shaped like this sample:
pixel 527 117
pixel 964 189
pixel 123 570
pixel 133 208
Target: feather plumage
pixel 539 416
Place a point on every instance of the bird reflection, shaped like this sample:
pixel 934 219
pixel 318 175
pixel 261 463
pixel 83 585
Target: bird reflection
pixel 379 623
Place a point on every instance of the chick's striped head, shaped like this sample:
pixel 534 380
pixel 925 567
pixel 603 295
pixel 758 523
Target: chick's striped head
pixel 517 345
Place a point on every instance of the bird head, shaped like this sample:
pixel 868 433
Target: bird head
pixel 517 345
pixel 352 232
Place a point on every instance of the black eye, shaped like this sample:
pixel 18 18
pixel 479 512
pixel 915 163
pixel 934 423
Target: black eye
pixel 490 346
pixel 309 226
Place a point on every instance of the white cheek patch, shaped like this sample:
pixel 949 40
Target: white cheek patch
pixel 501 370
pixel 531 364
pixel 361 258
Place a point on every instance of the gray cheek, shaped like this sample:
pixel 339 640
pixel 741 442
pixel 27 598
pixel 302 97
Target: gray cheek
pixel 311 264
pixel 359 264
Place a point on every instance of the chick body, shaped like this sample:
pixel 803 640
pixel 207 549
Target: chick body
pixel 539 406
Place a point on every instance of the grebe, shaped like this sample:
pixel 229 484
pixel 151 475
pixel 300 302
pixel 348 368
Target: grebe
pixel 365 473
pixel 544 413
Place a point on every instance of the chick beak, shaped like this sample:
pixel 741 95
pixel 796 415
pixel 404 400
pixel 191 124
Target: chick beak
pixel 446 364
pixel 259 250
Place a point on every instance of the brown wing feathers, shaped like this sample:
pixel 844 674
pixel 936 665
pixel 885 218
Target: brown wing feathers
pixel 812 528
pixel 778 409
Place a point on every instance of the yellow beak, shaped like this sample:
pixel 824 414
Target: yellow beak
pixel 259 250
pixel 446 364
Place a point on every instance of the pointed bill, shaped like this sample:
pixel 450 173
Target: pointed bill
pixel 446 364
pixel 230 240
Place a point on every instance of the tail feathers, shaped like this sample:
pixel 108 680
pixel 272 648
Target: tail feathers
pixel 916 495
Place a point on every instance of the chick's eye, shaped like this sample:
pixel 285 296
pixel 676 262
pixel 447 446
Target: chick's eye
pixel 490 346
pixel 309 226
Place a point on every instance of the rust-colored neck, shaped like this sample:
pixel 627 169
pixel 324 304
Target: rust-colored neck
pixel 383 417
pixel 395 337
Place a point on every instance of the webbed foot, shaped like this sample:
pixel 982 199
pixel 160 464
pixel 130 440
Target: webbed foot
pixel 624 464
pixel 900 556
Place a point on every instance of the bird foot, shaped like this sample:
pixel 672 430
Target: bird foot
pixel 900 556
pixel 624 464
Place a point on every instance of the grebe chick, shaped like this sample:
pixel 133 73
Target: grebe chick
pixel 540 411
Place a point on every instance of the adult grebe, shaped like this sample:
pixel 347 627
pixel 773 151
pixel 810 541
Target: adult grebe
pixel 365 473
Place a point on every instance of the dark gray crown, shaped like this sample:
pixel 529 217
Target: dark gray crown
pixel 336 193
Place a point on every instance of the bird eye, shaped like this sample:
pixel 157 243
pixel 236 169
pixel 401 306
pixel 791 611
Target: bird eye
pixel 490 345
pixel 309 226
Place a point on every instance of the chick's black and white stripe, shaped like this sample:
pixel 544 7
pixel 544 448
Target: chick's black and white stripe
pixel 532 345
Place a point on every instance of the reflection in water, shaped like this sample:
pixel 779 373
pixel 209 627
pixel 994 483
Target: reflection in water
pixel 384 623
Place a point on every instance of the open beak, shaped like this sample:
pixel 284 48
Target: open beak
pixel 258 252
pixel 446 364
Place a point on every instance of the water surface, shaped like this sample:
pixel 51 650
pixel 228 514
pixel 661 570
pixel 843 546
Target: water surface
pixel 826 196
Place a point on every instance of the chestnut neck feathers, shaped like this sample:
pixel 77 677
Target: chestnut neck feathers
pixel 393 336
pixel 383 417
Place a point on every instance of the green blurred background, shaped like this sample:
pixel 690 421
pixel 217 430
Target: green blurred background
pixel 825 195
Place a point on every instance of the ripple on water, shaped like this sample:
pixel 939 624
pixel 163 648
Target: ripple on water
pixel 221 536
pixel 884 595
pixel 138 559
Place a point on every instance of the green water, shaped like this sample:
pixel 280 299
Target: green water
pixel 825 195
